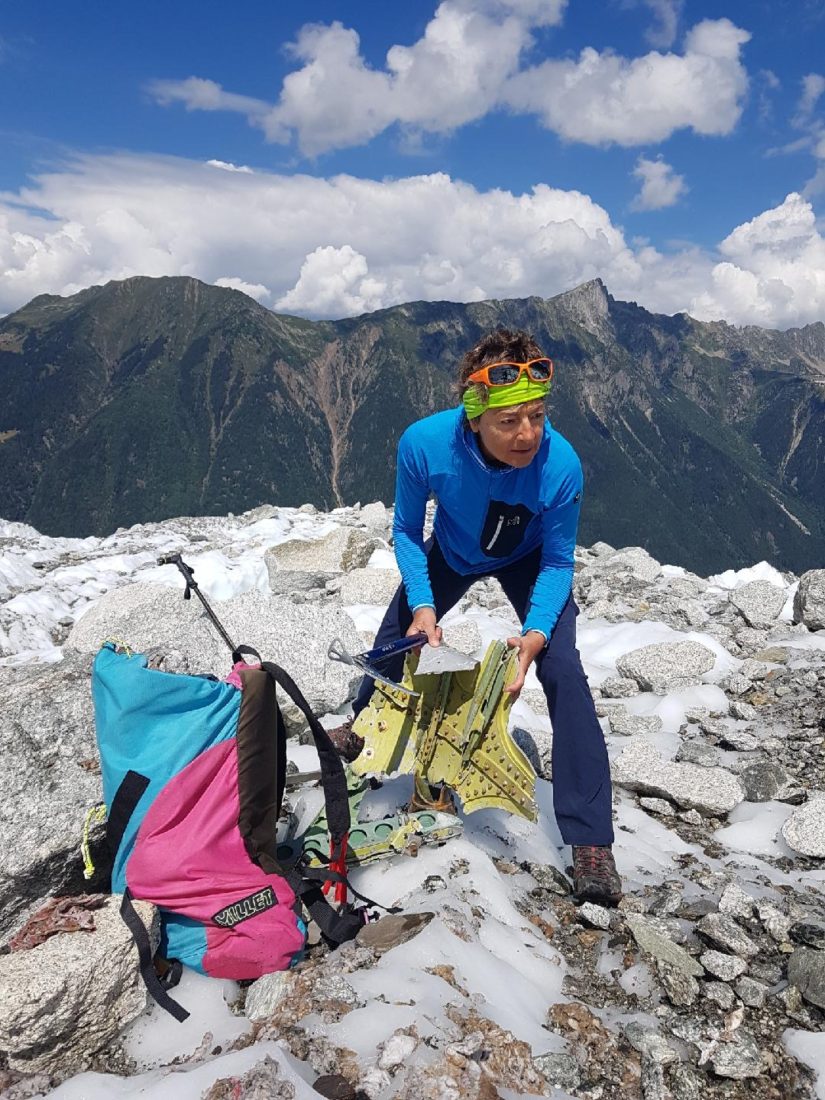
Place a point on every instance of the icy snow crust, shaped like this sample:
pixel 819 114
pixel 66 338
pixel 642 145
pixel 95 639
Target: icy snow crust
pixel 510 970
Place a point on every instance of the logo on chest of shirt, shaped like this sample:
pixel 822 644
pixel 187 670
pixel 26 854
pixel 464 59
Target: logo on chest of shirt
pixel 504 528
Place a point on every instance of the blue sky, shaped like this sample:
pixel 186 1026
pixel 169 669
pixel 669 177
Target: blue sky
pixel 476 148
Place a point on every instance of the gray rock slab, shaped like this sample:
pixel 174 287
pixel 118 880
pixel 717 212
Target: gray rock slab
pixel 806 970
pixel 266 993
pixel 376 516
pixel 294 636
pixel 711 791
pixel 697 752
pixel 721 965
pixel 738 1059
pixel 659 806
pixel 755 670
pixel 809 601
pixel 595 915
pixel 626 724
pixel 289 582
pixel 740 740
pixel 634 560
pixel 665 666
pixel 759 602
pixel 390 931
pixel 375 586
pixel 723 932
pixel 776 923
pixel 340 551
pixel 763 780
pixel 681 988
pixel 735 902
pixel 736 684
pixel 720 993
pixel 751 992
pixel 65 1000
pixel 49 777
pixel 619 687
pixel 776 654
pixel 804 831
pixel 646 1041
pixel 561 1071
pixel 660 947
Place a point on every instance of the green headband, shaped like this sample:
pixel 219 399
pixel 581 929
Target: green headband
pixel 500 397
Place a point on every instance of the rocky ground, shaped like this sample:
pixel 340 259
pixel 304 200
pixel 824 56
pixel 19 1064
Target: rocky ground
pixel 708 980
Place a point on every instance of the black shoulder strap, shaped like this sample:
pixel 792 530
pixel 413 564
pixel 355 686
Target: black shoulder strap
pixel 242 651
pixel 333 779
pixel 127 796
pixel 147 967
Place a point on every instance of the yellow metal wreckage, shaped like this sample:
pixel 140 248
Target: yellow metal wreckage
pixel 453 737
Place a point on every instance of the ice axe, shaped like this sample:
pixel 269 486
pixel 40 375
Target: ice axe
pixel 434 659
pixel 188 572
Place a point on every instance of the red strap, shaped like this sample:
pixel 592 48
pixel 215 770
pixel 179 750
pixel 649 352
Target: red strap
pixel 338 863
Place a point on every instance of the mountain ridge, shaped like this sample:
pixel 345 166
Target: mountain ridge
pixel 147 398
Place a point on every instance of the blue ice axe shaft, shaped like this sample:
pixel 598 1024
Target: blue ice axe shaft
pixel 366 661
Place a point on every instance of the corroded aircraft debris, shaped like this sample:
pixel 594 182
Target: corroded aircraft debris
pixel 453 731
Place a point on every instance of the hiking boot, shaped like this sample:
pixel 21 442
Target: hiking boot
pixel 595 877
pixel 346 742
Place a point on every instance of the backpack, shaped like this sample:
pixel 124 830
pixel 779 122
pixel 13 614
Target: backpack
pixel 193 777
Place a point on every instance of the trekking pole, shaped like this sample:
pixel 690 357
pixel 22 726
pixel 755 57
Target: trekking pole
pixel 192 586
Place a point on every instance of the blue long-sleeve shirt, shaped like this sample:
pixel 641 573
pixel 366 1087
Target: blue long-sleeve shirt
pixel 487 517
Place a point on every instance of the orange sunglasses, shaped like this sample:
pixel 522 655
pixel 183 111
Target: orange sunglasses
pixel 504 374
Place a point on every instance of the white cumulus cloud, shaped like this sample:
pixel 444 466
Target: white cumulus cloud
pixel 813 85
pixel 666 12
pixel 469 61
pixel 661 186
pixel 775 263
pixel 227 166
pixel 341 246
pixel 257 291
pixel 334 281
pixel 602 98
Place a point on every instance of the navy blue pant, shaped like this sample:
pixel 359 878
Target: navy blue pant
pixel 581 772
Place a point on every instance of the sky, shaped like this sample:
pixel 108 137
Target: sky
pixel 333 159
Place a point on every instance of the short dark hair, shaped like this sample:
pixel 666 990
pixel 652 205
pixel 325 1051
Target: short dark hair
pixel 497 346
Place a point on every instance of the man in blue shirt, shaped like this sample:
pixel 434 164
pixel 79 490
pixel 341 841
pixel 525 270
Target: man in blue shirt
pixel 508 489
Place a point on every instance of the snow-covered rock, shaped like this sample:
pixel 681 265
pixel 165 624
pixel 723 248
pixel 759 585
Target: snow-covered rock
pixel 490 978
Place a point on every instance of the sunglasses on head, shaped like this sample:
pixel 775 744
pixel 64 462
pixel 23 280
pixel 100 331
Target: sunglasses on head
pixel 504 374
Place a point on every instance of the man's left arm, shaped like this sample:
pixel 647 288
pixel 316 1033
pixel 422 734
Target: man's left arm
pixel 560 521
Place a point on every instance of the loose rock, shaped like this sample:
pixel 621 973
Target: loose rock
pixel 625 724
pixel 738 1059
pixel 666 666
pixel 64 1001
pixel 726 967
pixel 806 970
pixel 708 790
pixel 804 831
pixel 653 943
pixel 723 932
pixel 759 602
pixel 809 601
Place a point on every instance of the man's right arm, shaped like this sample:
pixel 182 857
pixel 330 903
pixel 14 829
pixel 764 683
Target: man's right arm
pixel 411 494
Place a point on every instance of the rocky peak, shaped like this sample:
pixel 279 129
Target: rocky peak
pixel 588 305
